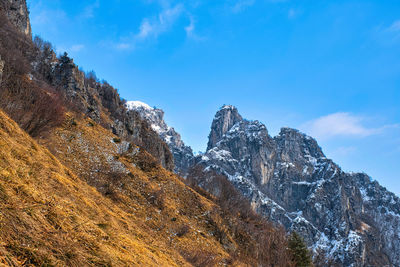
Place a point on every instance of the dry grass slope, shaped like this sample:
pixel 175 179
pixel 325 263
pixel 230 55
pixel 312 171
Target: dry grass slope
pixel 135 213
pixel 48 216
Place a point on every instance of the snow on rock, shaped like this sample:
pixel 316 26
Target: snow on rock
pixel 288 179
pixel 137 105
pixel 183 155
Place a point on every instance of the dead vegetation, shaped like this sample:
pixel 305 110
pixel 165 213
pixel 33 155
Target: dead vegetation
pixel 98 201
pixel 259 242
pixel 34 105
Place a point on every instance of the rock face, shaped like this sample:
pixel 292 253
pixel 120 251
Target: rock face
pixel 224 120
pixel 101 102
pixel 18 14
pixel 288 179
pixel 183 155
pixel 1 69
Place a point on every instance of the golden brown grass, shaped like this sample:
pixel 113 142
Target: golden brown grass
pixel 99 201
pixel 48 216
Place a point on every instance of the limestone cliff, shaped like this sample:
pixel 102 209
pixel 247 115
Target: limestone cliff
pixel 18 14
pixel 289 180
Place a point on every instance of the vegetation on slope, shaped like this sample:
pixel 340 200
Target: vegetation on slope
pixel 97 199
pixel 48 216
pixel 198 227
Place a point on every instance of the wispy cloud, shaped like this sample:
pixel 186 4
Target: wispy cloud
pixel 394 27
pixel 47 17
pixel 344 151
pixel 191 31
pixel 341 124
pixel 88 11
pixel 70 49
pixel 152 27
pixel 77 47
pixel 155 26
pixel 241 5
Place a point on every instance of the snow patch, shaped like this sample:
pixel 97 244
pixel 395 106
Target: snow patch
pixel 133 105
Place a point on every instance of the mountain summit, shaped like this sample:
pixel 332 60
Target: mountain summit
pixel 183 155
pixel 288 179
pixel 225 118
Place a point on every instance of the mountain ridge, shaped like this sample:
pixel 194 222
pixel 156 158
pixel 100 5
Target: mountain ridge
pixel 289 180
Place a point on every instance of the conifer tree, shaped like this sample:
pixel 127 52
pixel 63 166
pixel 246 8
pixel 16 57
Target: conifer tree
pixel 300 254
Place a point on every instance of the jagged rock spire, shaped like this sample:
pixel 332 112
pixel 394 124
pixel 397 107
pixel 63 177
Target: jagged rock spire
pixel 224 119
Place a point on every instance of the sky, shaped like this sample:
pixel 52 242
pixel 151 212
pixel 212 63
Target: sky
pixel 328 68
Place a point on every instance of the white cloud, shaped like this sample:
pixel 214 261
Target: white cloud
pixel 70 49
pixel 190 31
pixel 152 27
pixel 190 28
pixel 341 124
pixel 47 17
pixel 155 26
pixel 145 29
pixel 395 27
pixel 241 5
pixel 77 48
pixel 123 46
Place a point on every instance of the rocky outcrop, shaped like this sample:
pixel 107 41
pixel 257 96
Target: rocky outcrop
pixel 18 14
pixel 288 179
pixel 225 118
pixel 183 155
pixel 101 102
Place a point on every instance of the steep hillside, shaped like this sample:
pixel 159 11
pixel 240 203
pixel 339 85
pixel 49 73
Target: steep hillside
pixel 193 225
pixel 49 216
pixel 140 215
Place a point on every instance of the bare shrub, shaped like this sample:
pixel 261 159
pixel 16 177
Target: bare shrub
pixel 199 258
pixel 182 230
pixel 145 161
pixel 156 198
pixel 260 242
pixel 34 105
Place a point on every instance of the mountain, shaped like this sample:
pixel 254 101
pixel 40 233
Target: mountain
pixel 183 155
pixel 287 178
pixel 95 201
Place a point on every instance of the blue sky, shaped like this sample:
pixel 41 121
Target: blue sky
pixel 328 68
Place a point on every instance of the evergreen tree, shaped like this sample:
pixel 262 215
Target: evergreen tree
pixel 300 254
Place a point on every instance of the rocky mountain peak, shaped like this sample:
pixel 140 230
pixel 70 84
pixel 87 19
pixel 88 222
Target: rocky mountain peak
pixel 223 121
pixel 288 179
pixel 18 14
pixel 183 155
pixel 154 116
